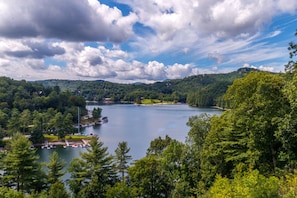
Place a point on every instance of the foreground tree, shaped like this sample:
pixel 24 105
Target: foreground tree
pixel 148 176
pixel 173 163
pixel 6 192
pixel 20 166
pixel 122 158
pixel 93 173
pixel 158 145
pixel 57 190
pixel 248 133
pixel 78 171
pixel 121 190
pixel 288 129
pixel 55 168
pixel 248 184
pixel 259 106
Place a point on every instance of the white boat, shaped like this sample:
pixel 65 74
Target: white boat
pixel 74 146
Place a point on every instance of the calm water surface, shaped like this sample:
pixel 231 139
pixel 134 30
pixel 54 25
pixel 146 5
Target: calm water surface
pixel 138 125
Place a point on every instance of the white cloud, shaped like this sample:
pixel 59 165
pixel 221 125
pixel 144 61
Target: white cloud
pixel 86 62
pixel 287 6
pixel 227 19
pixel 246 65
pixel 205 26
pixel 275 33
pixel 266 68
pixel 179 71
pixel 74 20
pixel 45 39
pixel 155 70
pixel 261 67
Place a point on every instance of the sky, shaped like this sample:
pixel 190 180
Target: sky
pixel 127 41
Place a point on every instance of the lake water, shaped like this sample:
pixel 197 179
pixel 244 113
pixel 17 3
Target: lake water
pixel 137 125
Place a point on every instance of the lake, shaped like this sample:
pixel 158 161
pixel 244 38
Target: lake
pixel 138 125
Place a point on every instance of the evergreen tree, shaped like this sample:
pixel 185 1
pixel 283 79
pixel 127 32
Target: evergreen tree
pixel 94 173
pixel 14 124
pixel 158 145
pixel 20 166
pixel 25 120
pixel 67 127
pixel 78 178
pixel 122 158
pixel 121 190
pixel 55 168
pixel 96 113
pixel 57 190
pixel 6 192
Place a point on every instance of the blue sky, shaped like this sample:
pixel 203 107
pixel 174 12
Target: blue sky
pixel 130 41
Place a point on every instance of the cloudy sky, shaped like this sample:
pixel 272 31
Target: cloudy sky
pixel 142 40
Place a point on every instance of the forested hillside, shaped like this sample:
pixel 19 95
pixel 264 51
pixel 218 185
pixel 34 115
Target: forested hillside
pixel 199 90
pixel 33 109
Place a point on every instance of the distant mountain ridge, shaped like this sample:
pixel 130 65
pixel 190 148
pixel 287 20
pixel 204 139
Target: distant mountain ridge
pixel 74 84
pixel 177 90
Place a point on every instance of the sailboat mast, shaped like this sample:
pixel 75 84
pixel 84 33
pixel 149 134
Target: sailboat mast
pixel 78 121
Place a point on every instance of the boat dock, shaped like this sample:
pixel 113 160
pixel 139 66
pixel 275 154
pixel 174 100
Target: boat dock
pixel 66 143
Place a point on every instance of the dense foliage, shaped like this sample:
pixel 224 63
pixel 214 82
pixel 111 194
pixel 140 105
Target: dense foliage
pixel 30 108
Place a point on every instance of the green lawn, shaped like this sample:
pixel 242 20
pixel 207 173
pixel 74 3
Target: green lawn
pixel 150 101
pixel 54 138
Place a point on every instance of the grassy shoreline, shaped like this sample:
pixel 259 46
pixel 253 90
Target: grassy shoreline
pixel 55 138
pixel 69 140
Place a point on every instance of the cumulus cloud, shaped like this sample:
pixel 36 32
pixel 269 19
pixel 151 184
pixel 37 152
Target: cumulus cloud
pixel 179 71
pixel 204 25
pixel 75 20
pixel 109 64
pixel 261 67
pixel 31 69
pixel 266 68
pixel 36 50
pixel 224 19
pixel 46 38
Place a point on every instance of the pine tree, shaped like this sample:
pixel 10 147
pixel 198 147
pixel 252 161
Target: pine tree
pixel 20 164
pixel 55 167
pixel 92 175
pixel 122 158
pixel 58 190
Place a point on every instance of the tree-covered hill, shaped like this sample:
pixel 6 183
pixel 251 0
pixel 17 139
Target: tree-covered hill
pixel 198 90
pixel 30 107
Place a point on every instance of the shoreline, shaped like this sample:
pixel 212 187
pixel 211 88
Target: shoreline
pixel 65 144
